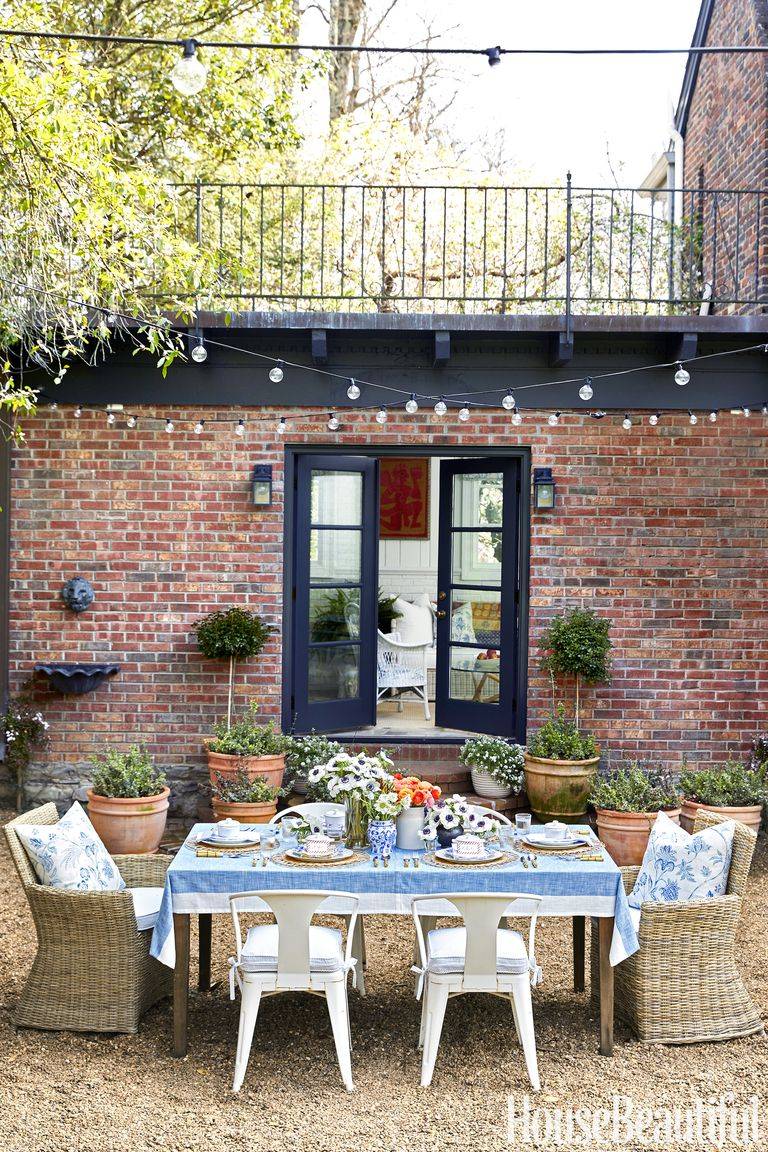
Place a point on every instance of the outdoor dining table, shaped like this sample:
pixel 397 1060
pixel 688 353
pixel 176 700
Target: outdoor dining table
pixel 570 887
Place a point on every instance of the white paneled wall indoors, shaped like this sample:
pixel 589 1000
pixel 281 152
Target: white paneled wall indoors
pixel 408 567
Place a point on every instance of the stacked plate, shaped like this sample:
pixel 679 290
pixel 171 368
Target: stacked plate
pixel 335 856
pixel 489 855
pixel 565 840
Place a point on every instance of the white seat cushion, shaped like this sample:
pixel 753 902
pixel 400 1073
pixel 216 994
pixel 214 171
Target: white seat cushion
pixel 446 950
pixel 70 854
pixel 260 949
pixel 146 905
pixel 414 624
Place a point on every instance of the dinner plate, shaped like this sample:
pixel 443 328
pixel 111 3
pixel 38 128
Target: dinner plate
pixel 339 853
pixel 447 855
pixel 238 844
pixel 539 840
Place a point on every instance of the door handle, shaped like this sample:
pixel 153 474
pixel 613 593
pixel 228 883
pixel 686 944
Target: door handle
pixel 442 595
pixel 441 615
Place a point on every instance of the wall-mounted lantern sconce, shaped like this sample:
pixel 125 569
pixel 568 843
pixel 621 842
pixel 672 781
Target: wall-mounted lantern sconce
pixel 543 490
pixel 262 485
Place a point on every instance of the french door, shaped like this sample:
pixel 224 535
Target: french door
pixel 478 599
pixel 335 599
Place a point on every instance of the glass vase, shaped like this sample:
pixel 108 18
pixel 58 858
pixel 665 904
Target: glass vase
pixel 357 822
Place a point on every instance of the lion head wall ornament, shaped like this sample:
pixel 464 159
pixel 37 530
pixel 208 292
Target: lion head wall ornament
pixel 77 594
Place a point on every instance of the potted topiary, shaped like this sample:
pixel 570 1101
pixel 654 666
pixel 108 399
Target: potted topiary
pixel 731 789
pixel 244 799
pixel 627 803
pixel 497 766
pixel 560 767
pixel 128 801
pixel 232 635
pixel 577 646
pixel 305 752
pixel 248 746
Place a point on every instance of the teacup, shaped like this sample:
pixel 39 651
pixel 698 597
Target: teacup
pixel 318 844
pixel 555 830
pixel 228 829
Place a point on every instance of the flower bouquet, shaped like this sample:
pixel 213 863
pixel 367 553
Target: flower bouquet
pixel 421 796
pixel 356 781
pixel 451 816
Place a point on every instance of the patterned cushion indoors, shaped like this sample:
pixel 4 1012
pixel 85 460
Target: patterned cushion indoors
pixel 461 624
pixel 679 866
pixel 70 855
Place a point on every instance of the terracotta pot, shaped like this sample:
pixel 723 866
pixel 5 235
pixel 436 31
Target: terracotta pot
pixel 559 789
pixel 243 813
pixel 625 834
pixel 751 815
pixel 132 826
pixel 271 768
pixel 483 784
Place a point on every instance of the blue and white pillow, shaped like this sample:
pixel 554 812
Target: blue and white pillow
pixel 70 854
pixel 679 866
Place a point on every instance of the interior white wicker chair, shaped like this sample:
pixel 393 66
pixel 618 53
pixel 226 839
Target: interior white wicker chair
pixel 402 668
pixel 292 955
pixel 478 957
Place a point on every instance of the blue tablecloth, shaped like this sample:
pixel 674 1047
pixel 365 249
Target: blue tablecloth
pixel 569 887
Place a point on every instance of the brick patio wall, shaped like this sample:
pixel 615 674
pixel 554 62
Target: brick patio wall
pixel 662 530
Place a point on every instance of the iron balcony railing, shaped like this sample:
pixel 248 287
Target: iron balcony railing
pixel 439 248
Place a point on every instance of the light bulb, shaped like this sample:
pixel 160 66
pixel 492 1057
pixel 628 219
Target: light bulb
pixel 189 75
pixel 110 417
pixel 494 55
pixel 353 391
pixel 745 411
pixel 199 427
pixel 517 417
pixel 411 405
pixel 111 318
pixel 199 352
pixel 692 418
pixel 381 416
pixel 586 392
pixel 78 412
pixel 53 405
pixel 653 419
pixel 626 422
pixel 333 422
pixel 169 426
pixel 464 414
pixel 553 419
pixel 240 430
pixel 508 402
pixel 682 376
pixel 764 409
pixel 713 417
pixel 276 373
pixel 441 407
pixel 131 421
pixel 282 427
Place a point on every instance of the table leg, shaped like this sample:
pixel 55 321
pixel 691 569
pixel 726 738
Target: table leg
pixel 180 983
pixel 579 933
pixel 605 933
pixel 204 923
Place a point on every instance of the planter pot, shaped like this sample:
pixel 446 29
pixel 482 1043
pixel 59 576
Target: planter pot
pixel 299 784
pixel 559 789
pixel 382 835
pixel 243 813
pixel 751 815
pixel 446 836
pixel 271 768
pixel 409 824
pixel 625 834
pixel 130 826
pixel 483 784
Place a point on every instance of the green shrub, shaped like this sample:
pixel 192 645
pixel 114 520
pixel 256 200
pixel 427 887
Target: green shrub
pixel 125 775
pixel 248 737
pixel 730 785
pixel 500 758
pixel 239 789
pixel 560 739
pixel 635 789
pixel 306 752
pixel 577 644
pixel 236 633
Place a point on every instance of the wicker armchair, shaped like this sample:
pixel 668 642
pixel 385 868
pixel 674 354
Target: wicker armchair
pixel 92 971
pixel 683 986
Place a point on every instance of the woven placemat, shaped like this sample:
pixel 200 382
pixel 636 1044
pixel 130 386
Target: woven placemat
pixel 282 859
pixel 213 853
pixel 587 852
pixel 505 858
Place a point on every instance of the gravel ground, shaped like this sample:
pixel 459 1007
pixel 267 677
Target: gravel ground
pixel 75 1091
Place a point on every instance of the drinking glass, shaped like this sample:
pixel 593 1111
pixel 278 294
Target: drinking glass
pixel 523 823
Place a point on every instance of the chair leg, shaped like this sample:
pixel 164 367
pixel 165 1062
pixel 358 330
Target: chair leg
pixel 514 1017
pixel 358 953
pixel 426 703
pixel 521 993
pixel 336 997
pixel 249 1010
pixel 437 999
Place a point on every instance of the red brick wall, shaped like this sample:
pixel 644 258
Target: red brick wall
pixel 663 530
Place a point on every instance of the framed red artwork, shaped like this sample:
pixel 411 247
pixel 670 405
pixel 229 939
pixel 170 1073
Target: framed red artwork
pixel 404 503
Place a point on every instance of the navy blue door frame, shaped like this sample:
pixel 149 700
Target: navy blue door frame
pixel 520 454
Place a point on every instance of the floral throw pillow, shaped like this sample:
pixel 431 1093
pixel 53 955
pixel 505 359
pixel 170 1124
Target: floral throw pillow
pixel 679 866
pixel 70 855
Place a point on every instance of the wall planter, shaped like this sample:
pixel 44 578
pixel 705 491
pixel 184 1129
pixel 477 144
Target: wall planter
pixel 243 813
pixel 483 784
pixel 133 825
pixel 78 678
pixel 271 768
pixel 751 814
pixel 559 789
pixel 625 834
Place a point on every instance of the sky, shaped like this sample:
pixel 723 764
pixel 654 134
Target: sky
pixel 605 119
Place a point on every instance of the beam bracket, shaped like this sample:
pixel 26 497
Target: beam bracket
pixel 442 352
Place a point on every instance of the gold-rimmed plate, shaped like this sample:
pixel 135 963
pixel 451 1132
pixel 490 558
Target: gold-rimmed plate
pixel 299 856
pixel 489 857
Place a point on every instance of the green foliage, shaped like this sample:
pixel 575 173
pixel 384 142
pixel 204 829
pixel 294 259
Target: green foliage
pixel 248 737
pixel 725 786
pixel 560 739
pixel 239 789
pixel 387 613
pixel 759 751
pixel 25 729
pixel 502 759
pixel 635 789
pixel 578 644
pixel 333 616
pixel 307 752
pixel 236 632
pixel 124 775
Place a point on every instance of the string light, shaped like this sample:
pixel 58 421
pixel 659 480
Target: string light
pixel 626 422
pixel 713 417
pixel 586 392
pixel 411 405
pixel 654 418
pixel 189 74
pixel 494 55
pixel 199 351
pixel 78 412
pixel 240 430
pixel 764 409
pixel 441 407
pixel 692 417
pixel 111 417
pixel 553 419
pixel 199 427
pixel 517 417
pixel 131 421
pixel 745 411
pixel 169 426
pixel 682 376
pixel 508 402
pixel 333 422
pixel 464 414
pixel 353 392
pixel 381 416
pixel 282 427
pixel 276 374
pixel 53 405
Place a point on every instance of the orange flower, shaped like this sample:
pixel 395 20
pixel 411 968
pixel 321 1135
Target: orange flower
pixel 418 798
pixel 436 793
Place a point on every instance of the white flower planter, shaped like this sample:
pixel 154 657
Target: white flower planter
pixel 484 785
pixel 409 825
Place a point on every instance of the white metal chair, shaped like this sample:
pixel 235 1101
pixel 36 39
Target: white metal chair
pixel 292 955
pixel 491 813
pixel 478 957
pixel 313 812
pixel 402 668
